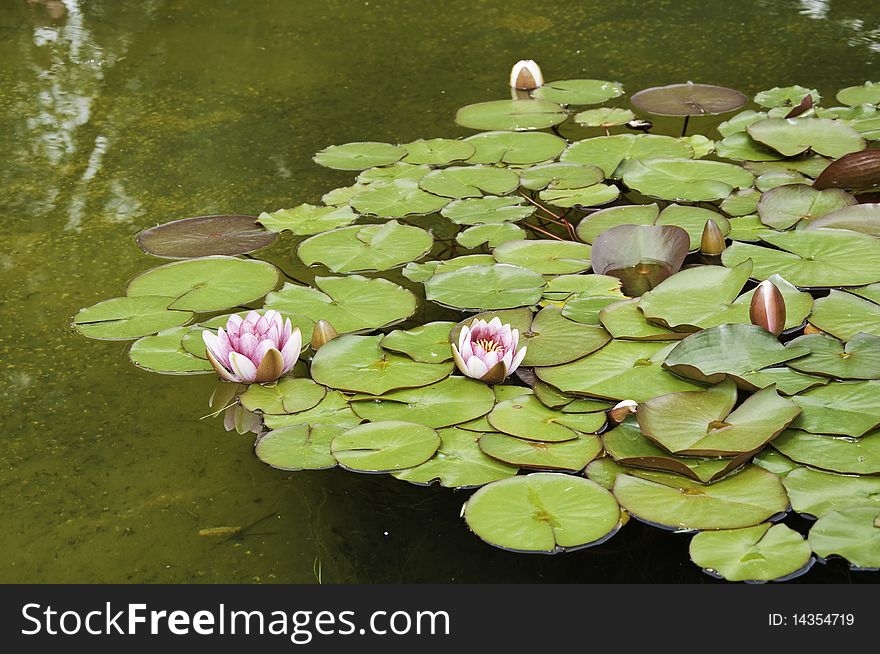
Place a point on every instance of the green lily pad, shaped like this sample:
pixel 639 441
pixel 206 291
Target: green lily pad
pixel 813 258
pixel 516 148
pixel 578 91
pixel 564 287
pixel 844 315
pixel 307 219
pixel 397 199
pixel 298 447
pixel 859 358
pixel 604 117
pixel 526 417
pixel 594 224
pixel 786 380
pixel 786 96
pixel 204 236
pixel 704 423
pixel 487 210
pixel 545 257
pixel 811 166
pixel 511 115
pixel 624 320
pixel 692 220
pixel 853 533
pixel 746 228
pixel 870 292
pixel 359 364
pixel 542 512
pixel 127 318
pixel 771 180
pixel 741 203
pixel 845 408
pixel 688 100
pixel 761 553
pixel 560 176
pixel 608 152
pixel 470 181
pixel 332 410
pixel 864 218
pixel 287 395
pixel 742 147
pixel 553 339
pixel 816 493
pixel 792 136
pixel 448 402
pixel 586 309
pixel 491 235
pixel 867 93
pixel 728 350
pixel 350 304
pixel 458 463
pixel 396 172
pixel 857 456
pixel 207 284
pixel 437 152
pixel 572 455
pixel 796 204
pixel 685 180
pixel 428 343
pixel 385 446
pixel 500 286
pixel 775 462
pixel 744 499
pixel 621 370
pixel 739 122
pixel 343 195
pixel 358 156
pixel 164 353
pixel 366 247
pixel 586 197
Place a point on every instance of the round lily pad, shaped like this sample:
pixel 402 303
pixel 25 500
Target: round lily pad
pixel 608 152
pixel 742 147
pixel 578 91
pixel 816 493
pixel 560 176
pixel 207 284
pixel 359 364
pixel 499 286
pixel 448 402
pixel 358 156
pixel 287 395
pixel 741 203
pixel 859 456
pixel 491 235
pixel 542 512
pixel 428 343
pixel 204 236
pixel 307 219
pixel 761 553
pixel 586 309
pixel 458 463
pixel 859 358
pixel 867 93
pixel 845 408
pixel 437 152
pixel 385 446
pixel 624 320
pixel 526 417
pixel 397 199
pixel 795 204
pixel 746 228
pixel 350 304
pixel 792 136
pixel 786 380
pixel 635 214
pixel 298 447
pixel 332 410
pixel 164 353
pixel 127 318
pixel 853 533
pixel 545 257
pixel 565 287
pixel 515 148
pixel 744 499
pixel 685 180
pixel 864 218
pixel 738 123
pixel 487 210
pixel 590 196
pixel 786 96
pixel 688 100
pixel 604 117
pixel 692 220
pixel 470 181
pixel 511 115
pixel 366 247
pixel 553 339
pixel 844 315
pixel 572 455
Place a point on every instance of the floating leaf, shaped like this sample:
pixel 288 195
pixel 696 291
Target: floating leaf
pixel 366 247
pixel 641 256
pixel 307 219
pixel 437 151
pixel 844 315
pixel 332 410
pixel 635 214
pixel 581 197
pixel 545 257
pixel 428 343
pixel 604 117
pixel 692 220
pixel 385 446
pixel 786 380
pixel 572 455
pixel 859 358
pixel 858 456
pixel 586 309
pixel 525 417
pixel 553 339
pixel 741 203
pixel 358 156
pixel 127 318
pixel 792 136
pixel 164 353
pixel 542 512
pixel 511 115
pixel 846 408
pixel 738 123
pixel 287 395
pixel 786 96
pixel 775 462
pixel 795 204
pixel 864 218
pixel 608 152
pixel 867 93
pixel 298 447
pixel 764 552
pixel 487 210
pixel 564 287
pixel 499 286
pixel 624 320
pixel 560 176
pixel 578 91
pixel 470 181
pixel 688 100
pixel 204 236
pixel 742 147
pixel 685 180
pixel 491 235
pixel 515 148
pixel 816 493
pixel 397 199
pixel 852 533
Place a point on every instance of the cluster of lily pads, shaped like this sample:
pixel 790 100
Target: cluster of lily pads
pixel 659 381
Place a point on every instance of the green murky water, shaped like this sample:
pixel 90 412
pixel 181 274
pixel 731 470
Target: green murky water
pixel 118 115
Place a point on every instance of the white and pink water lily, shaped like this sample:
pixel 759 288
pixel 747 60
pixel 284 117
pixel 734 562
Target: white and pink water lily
pixel 256 348
pixel 488 350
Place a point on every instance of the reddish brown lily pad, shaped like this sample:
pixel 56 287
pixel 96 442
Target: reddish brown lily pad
pixel 204 236
pixel 688 100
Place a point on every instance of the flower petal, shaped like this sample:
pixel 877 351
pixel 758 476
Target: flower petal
pixel 476 368
pixel 271 366
pixel 290 351
pixel 517 359
pixel 243 367
pixel 459 362
pixel 222 371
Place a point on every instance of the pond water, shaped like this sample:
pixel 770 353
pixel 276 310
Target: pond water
pixel 120 115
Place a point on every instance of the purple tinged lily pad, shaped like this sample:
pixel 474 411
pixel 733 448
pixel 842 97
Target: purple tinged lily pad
pixel 205 236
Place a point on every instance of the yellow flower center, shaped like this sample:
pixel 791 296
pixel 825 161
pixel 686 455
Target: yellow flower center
pixel 489 345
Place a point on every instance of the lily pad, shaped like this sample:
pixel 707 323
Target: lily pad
pixel 207 284
pixel 685 180
pixel 692 220
pixel 741 203
pixel 127 318
pixel 816 493
pixel 491 235
pixel 852 533
pixel 564 287
pixel 786 380
pixel 867 93
pixel 857 456
pixel 604 117
pixel 487 210
pixel 608 152
pixel 358 156
pixel 761 553
pixel 581 197
pixel 332 410
pixel 688 100
pixel 746 228
pixel 307 219
pixel 397 199
pixel 775 462
pixel 448 402
pixel 515 148
pixel 499 286
pixel 636 214
pixel 385 446
pixel 545 257
pixel 298 447
pixel 798 204
pixel 572 455
pixel 578 91
pixel 738 123
pixel 621 370
pixel 864 218
pixel 526 417
pixel 350 304
pixel 164 353
pixel 204 236
pixel 359 364
pixel 428 343
pixel 786 96
pixel 560 176
pixel 470 181
pixel 553 339
pixel 844 315
pixel 859 358
pixel 511 115
pixel 542 512
pixel 845 408
pixel 458 463
pixel 744 499
pixel 586 309
pixel 366 247
pixel 437 152
pixel 792 136
pixel 742 147
pixel 624 320
pixel 287 395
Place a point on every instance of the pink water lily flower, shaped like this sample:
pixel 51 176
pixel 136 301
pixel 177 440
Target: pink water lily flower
pixel 487 350
pixel 257 348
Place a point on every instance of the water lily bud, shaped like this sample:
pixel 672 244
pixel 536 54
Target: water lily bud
pixel 767 309
pixel 322 333
pixel 526 75
pixel 621 410
pixel 712 241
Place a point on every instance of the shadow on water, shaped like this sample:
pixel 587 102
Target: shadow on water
pixel 116 116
